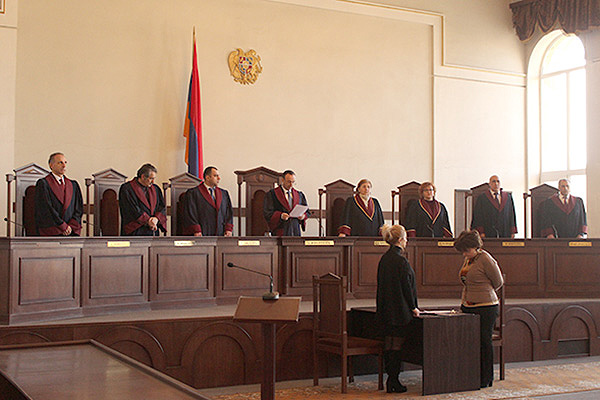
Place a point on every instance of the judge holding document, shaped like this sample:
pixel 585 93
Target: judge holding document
pixel 279 205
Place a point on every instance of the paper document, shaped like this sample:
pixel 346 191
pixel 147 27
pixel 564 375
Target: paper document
pixel 298 211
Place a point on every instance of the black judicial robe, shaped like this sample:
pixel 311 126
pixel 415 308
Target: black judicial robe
pixel 428 220
pixel 565 220
pixel 359 220
pixel 275 204
pixel 396 291
pixel 202 214
pixel 137 209
pixel 493 219
pixel 57 206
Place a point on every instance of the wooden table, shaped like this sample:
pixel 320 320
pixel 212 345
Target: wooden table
pixel 82 370
pixel 445 345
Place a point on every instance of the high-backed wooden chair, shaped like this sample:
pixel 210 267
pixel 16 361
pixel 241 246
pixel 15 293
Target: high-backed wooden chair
pixel 258 182
pixel 179 185
pixel 336 194
pixel 24 204
pixel 538 195
pixel 498 334
pixel 106 202
pixel 330 328
pixel 407 195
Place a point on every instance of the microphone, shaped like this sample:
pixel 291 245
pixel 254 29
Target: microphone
pixel 16 224
pixel 270 295
pixel 555 232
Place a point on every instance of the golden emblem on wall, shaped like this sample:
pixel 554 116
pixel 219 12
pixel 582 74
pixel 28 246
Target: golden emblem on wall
pixel 244 67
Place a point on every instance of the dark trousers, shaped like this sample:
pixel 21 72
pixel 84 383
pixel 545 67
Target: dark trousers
pixel 487 319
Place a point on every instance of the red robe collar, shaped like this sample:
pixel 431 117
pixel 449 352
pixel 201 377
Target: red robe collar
pixel 503 199
pixel 139 192
pixel 566 208
pixel 280 194
pixel 206 194
pixel 432 210
pixel 63 194
pixel 368 210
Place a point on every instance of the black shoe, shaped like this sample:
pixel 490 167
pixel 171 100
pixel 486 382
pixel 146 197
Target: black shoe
pixel 394 386
pixel 484 385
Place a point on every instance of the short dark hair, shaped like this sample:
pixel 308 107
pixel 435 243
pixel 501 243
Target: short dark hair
pixel 468 240
pixel 207 171
pixel 145 170
pixel 54 155
pixel 288 172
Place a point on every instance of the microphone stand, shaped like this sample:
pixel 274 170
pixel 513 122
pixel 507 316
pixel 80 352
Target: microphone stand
pixel 23 230
pixel 270 295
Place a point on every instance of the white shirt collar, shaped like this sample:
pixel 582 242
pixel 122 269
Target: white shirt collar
pixel 58 178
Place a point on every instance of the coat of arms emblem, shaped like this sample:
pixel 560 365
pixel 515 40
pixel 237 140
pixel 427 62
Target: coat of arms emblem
pixel 244 67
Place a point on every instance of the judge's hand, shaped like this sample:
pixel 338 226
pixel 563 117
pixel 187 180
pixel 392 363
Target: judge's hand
pixel 303 216
pixel 342 235
pixel 228 233
pixel 197 233
pixel 512 236
pixel 550 236
pixel 153 223
pixel 67 231
pixel 416 312
pixel 285 216
pixel 482 235
pixel 580 236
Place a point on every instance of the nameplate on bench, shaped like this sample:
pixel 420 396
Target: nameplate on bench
pixel 513 244
pixel 380 243
pixel 319 242
pixel 580 244
pixel 183 243
pixel 122 243
pixel 445 244
pixel 248 242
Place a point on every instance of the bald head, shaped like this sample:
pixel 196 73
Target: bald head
pixel 494 183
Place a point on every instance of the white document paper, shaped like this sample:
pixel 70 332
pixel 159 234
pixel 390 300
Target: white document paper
pixel 298 211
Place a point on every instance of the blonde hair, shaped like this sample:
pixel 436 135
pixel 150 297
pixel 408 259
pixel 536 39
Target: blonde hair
pixel 392 233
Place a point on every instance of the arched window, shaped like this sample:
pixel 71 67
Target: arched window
pixel 562 112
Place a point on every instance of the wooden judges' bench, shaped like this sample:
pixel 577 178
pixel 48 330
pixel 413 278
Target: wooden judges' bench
pixel 52 278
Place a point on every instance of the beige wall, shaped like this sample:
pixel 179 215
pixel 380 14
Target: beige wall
pixel 348 90
pixel 8 61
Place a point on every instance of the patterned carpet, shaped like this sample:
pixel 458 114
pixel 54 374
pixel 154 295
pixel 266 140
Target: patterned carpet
pixel 520 383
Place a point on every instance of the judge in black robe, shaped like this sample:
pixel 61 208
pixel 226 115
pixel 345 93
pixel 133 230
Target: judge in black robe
pixel 494 212
pixel 58 206
pixel 396 301
pixel 142 205
pixel 427 217
pixel 563 215
pixel 276 208
pixel 362 215
pixel 204 215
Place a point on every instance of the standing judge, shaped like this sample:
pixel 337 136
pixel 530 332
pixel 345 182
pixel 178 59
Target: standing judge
pixel 362 215
pixel 396 302
pixel 563 215
pixel 142 205
pixel 494 212
pixel 279 202
pixel 207 210
pixel 428 217
pixel 58 201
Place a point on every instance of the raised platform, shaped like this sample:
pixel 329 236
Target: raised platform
pixel 203 347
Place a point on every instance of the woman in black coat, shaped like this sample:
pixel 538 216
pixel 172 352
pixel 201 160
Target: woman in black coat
pixel 396 301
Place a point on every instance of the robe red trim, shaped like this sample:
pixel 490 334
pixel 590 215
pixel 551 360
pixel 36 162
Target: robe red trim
pixel 64 194
pixel 503 200
pixel 138 189
pixel 435 211
pixel 280 195
pixel 369 210
pixel 345 229
pixel 566 208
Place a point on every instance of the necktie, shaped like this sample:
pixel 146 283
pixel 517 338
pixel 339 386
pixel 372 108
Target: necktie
pixel 290 200
pixel 212 193
pixel 497 198
pixel 147 192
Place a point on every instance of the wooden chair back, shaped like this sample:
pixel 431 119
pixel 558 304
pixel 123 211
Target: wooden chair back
pixel 106 203
pixel 329 306
pixel 336 194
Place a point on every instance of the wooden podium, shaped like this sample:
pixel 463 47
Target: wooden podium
pixel 268 313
